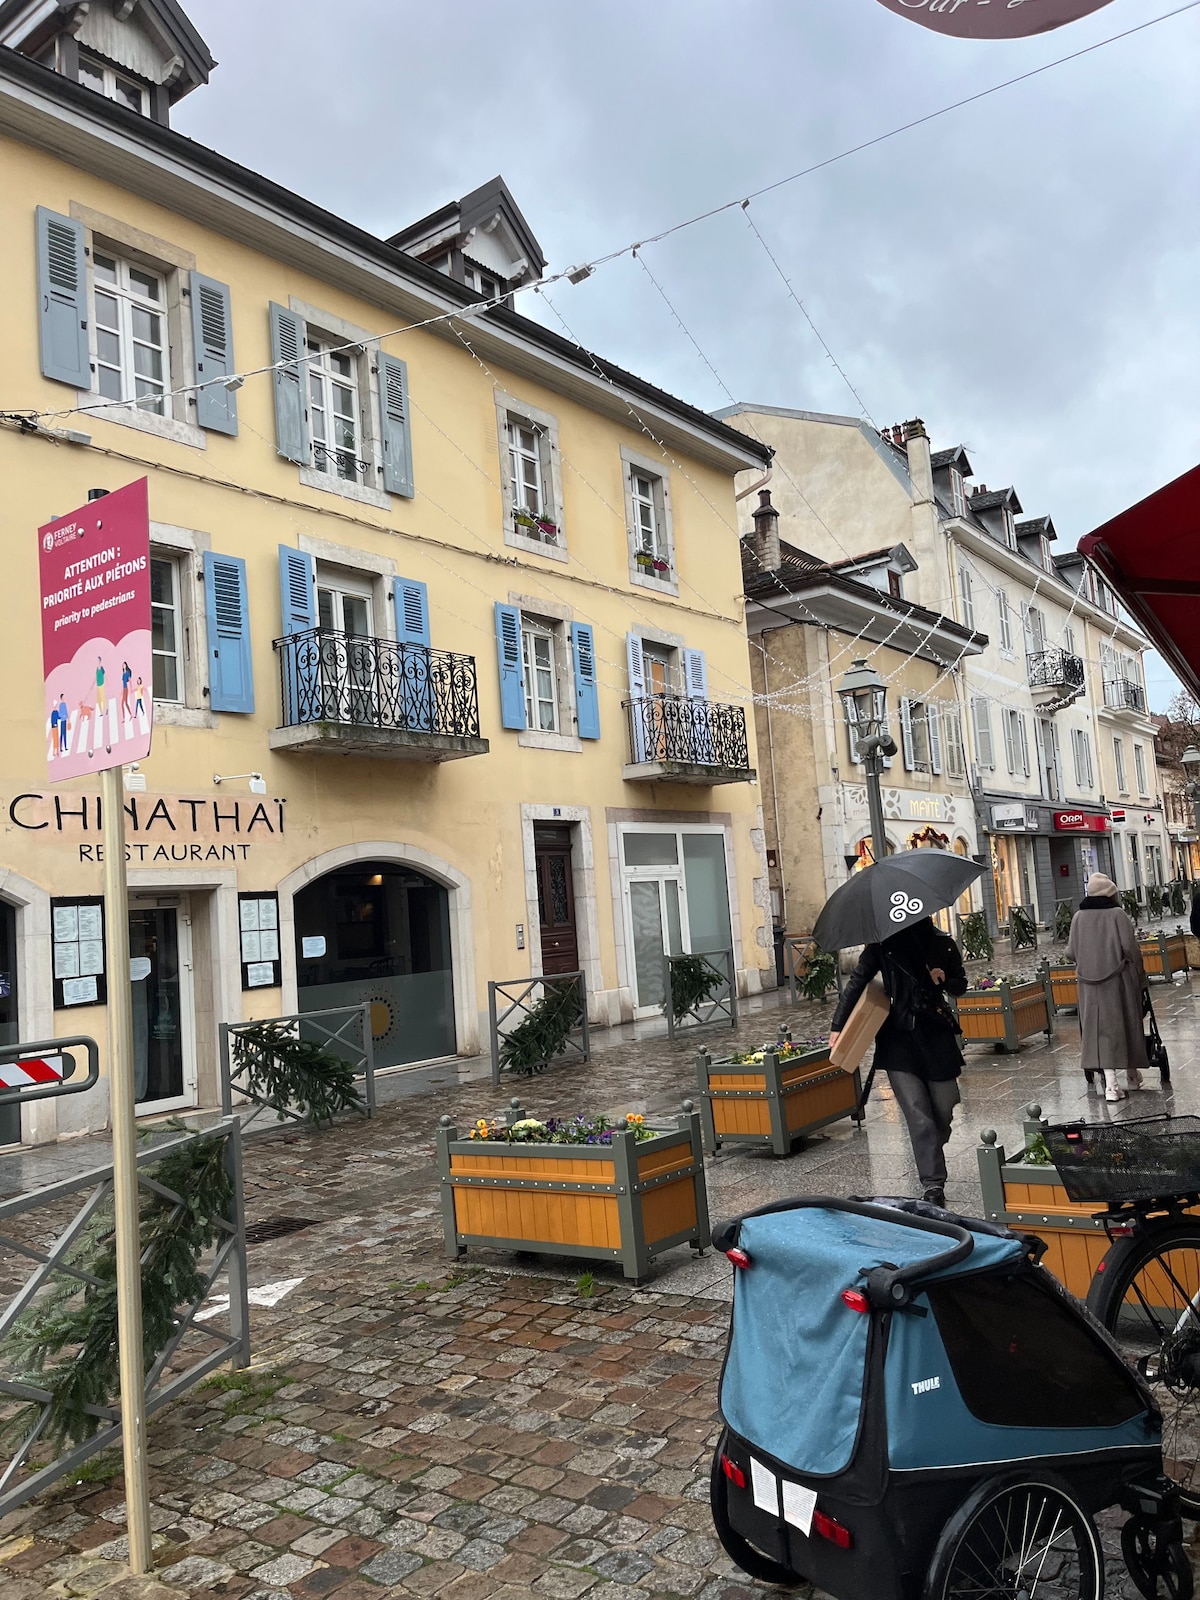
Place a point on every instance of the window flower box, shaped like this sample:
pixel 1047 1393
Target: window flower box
pixel 525 522
pixel 547 529
pixel 645 562
pixel 1005 1011
pixel 774 1097
pixel 1025 1193
pixel 1164 954
pixel 662 569
pixel 628 1199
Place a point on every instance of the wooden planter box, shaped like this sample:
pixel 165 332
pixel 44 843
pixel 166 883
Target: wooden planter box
pixel 772 1102
pixel 1007 1014
pixel 1164 954
pixel 1031 1199
pixel 1064 986
pixel 627 1202
pixel 1192 946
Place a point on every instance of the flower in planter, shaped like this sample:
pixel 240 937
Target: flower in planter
pixel 559 1130
pixel 662 568
pixel 785 1049
pixel 547 528
pixel 523 519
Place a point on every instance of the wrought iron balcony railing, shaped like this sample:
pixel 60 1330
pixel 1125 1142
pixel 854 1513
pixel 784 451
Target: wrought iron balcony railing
pixel 1055 669
pixel 1120 694
pixel 671 727
pixel 326 676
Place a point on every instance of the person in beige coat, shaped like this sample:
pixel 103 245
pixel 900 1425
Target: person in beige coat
pixel 1104 949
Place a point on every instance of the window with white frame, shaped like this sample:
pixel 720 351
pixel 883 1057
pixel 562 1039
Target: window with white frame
pixel 1004 612
pixel 1119 761
pixel 483 282
pixel 1069 639
pixel 1010 530
pixel 967 596
pixel 1139 768
pixel 915 735
pixel 650 533
pixel 131 339
pixel 334 410
pixel 541 676
pixel 166 628
pixel 532 501
pixel 114 85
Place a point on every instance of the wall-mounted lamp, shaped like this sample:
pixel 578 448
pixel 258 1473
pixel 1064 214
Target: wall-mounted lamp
pixel 258 784
pixel 134 779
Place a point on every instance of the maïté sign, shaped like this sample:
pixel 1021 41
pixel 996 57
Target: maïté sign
pixel 993 19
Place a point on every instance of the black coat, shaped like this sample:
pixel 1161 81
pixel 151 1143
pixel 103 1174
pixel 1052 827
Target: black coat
pixel 920 1033
pixel 1195 918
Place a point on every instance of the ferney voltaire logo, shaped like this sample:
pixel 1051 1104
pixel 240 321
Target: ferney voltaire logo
pixel 993 19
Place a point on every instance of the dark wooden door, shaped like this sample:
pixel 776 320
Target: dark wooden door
pixel 556 899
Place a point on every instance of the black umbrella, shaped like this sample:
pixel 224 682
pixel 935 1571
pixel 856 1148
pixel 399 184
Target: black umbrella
pixel 889 896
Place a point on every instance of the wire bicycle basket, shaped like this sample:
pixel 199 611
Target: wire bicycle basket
pixel 1146 1158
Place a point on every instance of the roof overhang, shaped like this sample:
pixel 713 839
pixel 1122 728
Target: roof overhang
pixel 852 608
pixel 1150 555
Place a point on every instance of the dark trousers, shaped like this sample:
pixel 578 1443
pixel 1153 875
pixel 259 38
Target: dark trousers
pixel 928 1110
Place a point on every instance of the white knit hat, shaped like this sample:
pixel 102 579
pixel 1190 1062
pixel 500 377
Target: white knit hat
pixel 1101 888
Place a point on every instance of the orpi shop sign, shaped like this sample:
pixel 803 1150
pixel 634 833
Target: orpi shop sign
pixel 1079 822
pixel 993 19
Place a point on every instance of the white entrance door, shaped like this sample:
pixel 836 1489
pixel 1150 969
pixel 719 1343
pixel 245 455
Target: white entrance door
pixel 164 1011
pixel 656 905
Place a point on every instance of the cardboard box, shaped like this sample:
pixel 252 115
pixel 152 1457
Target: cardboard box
pixel 863 1023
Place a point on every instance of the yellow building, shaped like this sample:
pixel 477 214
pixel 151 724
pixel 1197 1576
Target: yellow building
pixel 451 676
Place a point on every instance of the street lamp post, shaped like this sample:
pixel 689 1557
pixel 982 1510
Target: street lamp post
pixel 864 695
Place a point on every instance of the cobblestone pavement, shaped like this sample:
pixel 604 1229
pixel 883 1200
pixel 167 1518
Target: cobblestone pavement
pixel 413 1427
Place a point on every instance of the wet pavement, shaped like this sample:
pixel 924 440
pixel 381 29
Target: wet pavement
pixel 501 1426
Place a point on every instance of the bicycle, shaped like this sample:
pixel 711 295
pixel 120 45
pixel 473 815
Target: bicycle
pixel 1146 1289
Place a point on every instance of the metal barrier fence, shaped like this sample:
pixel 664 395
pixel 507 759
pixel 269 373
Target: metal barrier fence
pixel 796 950
pixel 20 1480
pixel 545 1015
pixel 722 1003
pixel 339 1039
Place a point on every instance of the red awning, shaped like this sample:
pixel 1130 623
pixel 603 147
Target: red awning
pixel 1151 556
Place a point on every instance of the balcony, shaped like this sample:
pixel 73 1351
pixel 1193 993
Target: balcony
pixel 1120 694
pixel 674 739
pixel 1055 675
pixel 348 695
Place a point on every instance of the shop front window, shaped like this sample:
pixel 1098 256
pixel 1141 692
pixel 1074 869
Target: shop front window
pixel 380 934
pixel 677 900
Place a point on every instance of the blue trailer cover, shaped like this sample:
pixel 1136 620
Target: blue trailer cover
pixel 793 1382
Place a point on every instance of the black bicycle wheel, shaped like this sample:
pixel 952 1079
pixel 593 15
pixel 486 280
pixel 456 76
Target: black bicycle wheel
pixel 1161 1571
pixel 1146 1292
pixel 1018 1541
pixel 740 1551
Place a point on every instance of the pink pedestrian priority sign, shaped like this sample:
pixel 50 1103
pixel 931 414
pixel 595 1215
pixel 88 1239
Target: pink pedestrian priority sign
pixel 98 703
pixel 993 19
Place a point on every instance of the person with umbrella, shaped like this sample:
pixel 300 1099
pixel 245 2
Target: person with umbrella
pixel 917 1043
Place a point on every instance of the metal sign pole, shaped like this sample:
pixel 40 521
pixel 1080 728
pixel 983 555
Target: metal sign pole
pixel 125 1188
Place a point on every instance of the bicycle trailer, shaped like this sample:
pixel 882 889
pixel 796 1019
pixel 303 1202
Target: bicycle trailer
pixel 914 1409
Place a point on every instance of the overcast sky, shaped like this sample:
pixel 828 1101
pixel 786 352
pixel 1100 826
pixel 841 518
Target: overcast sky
pixel 1022 273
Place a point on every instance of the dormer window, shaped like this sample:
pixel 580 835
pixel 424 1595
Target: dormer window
pixel 114 85
pixel 1010 532
pixel 895 583
pixel 484 283
pixel 958 494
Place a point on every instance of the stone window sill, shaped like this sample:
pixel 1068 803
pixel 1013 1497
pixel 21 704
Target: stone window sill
pixel 536 739
pixel 312 479
pixel 173 428
pixel 535 547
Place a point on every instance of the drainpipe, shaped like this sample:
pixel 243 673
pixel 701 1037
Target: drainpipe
pixel 774 786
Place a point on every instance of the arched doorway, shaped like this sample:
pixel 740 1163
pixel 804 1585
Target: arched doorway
pixel 379 932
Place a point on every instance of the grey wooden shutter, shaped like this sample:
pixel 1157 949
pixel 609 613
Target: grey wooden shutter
pixel 397 434
pixel 851 706
pixel 62 299
pixel 906 733
pixel 981 715
pixel 933 722
pixel 212 335
pixel 695 674
pixel 1010 740
pixel 291 379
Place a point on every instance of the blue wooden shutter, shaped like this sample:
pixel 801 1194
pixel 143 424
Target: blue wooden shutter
pixel 397 434
pixel 300 661
pixel 291 385
pixel 695 674
pixel 230 671
pixel 695 677
pixel 587 702
pixel 412 611
pixel 512 675
pixel 412 629
pixel 212 335
pixel 640 710
pixel 62 299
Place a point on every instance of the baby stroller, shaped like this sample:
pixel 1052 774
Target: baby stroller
pixel 915 1410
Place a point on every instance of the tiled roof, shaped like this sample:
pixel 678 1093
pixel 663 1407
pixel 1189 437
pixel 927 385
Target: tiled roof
pixel 1038 525
pixel 994 498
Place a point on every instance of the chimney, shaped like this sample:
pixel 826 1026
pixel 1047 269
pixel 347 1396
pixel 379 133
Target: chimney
pixel 764 541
